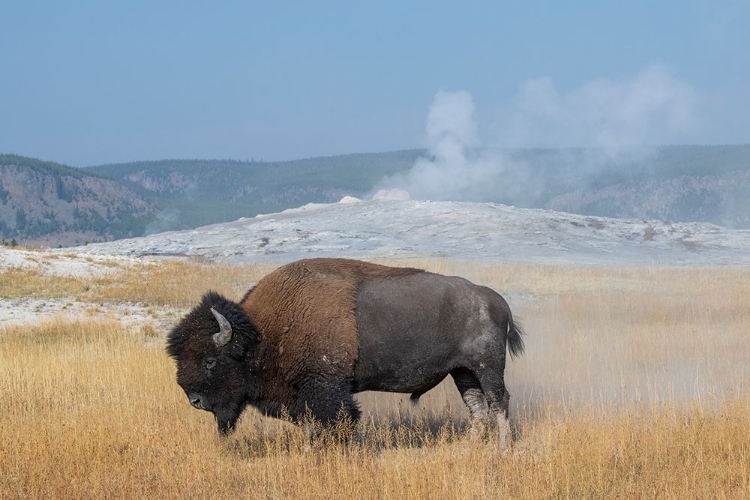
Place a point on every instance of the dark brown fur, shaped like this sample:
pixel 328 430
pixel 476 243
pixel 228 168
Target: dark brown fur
pixel 305 311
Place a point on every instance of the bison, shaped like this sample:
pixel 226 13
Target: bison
pixel 314 332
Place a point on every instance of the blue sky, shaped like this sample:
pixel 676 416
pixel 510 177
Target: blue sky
pixel 94 82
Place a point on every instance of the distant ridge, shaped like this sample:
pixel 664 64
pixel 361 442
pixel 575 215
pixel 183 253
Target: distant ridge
pixel 49 203
pixel 192 193
pixel 680 183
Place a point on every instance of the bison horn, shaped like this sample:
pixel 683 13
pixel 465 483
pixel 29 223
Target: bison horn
pixel 224 335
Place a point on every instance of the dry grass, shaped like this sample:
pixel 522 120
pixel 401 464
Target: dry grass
pixel 175 283
pixel 635 384
pixel 171 283
pixel 17 282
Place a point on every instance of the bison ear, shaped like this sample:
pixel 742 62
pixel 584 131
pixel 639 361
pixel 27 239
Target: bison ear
pixel 224 335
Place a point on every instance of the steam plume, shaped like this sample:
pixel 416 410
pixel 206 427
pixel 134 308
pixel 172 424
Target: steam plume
pixel 456 168
pixel 652 108
pixel 619 120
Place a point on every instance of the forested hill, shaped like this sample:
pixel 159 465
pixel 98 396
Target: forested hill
pixel 192 193
pixel 673 183
pixel 53 204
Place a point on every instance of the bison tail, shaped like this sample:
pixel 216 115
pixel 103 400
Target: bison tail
pixel 515 338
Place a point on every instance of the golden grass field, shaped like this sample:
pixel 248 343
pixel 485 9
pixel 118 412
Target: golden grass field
pixel 635 383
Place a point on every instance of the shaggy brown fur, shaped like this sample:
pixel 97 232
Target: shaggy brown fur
pixel 305 313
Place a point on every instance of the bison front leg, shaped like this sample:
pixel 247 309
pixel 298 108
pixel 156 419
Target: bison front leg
pixel 326 400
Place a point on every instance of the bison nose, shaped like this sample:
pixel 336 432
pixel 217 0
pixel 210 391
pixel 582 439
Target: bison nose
pixel 196 401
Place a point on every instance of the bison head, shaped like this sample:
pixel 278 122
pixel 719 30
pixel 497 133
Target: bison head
pixel 213 347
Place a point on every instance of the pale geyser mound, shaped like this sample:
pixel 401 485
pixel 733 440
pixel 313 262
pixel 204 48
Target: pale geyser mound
pixel 385 228
pixel 393 194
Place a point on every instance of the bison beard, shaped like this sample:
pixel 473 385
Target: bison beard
pixel 314 332
pixel 226 420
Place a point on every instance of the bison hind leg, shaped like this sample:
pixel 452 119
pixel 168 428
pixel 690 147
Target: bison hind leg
pixel 474 399
pixel 498 400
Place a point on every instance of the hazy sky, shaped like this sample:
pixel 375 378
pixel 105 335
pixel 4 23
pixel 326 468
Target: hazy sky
pixel 93 82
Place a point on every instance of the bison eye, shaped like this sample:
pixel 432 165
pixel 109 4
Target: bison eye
pixel 210 363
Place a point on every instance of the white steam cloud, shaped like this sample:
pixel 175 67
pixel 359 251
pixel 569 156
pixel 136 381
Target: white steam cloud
pixel 619 119
pixel 457 169
pixel 653 108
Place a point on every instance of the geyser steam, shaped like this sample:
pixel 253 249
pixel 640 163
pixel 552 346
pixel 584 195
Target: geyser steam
pixel 619 121
pixel 455 169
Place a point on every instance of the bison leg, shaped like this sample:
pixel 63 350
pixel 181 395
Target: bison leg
pixel 327 401
pixel 471 392
pixel 498 400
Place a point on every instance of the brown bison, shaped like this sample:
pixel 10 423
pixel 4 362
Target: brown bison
pixel 314 332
